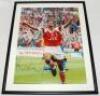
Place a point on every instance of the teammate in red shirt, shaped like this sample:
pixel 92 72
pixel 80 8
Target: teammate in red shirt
pixel 76 45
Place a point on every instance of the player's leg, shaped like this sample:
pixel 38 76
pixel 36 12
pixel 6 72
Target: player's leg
pixel 60 56
pixel 50 61
pixel 47 65
pixel 61 70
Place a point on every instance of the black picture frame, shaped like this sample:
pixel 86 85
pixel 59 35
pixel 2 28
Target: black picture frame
pixel 95 91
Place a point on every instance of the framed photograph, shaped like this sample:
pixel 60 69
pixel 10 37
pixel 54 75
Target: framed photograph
pixel 49 50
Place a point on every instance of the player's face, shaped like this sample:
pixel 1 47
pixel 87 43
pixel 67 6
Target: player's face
pixel 50 25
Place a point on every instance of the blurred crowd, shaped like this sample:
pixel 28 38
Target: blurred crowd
pixel 38 18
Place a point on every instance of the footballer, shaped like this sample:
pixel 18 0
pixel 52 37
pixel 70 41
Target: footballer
pixel 52 52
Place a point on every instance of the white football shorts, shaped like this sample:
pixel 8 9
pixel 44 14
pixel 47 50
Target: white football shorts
pixel 55 51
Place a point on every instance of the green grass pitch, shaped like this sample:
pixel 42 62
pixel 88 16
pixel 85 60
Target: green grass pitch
pixel 29 70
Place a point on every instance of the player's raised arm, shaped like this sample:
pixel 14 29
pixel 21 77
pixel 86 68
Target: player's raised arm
pixel 67 24
pixel 28 25
pixel 61 27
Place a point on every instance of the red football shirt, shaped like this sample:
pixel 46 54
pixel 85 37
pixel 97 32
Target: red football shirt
pixel 52 38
